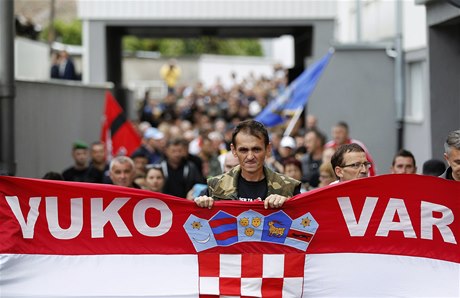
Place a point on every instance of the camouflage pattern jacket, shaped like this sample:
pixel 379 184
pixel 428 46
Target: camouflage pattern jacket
pixel 225 186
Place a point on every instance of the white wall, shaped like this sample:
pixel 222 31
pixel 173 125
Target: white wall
pixel 283 50
pixel 31 59
pixel 280 50
pixel 378 22
pixel 415 34
pixel 205 9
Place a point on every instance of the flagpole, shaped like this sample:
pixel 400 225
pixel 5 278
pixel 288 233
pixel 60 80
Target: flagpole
pixel 293 121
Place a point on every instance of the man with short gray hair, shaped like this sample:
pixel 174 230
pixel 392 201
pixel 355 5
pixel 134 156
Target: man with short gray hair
pixel 452 156
pixel 122 172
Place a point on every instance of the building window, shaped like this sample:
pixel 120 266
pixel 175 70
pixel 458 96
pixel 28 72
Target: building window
pixel 415 91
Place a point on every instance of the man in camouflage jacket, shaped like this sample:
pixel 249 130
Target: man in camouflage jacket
pixel 225 186
pixel 251 180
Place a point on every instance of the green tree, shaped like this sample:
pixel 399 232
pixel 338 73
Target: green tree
pixel 68 33
pixel 195 46
pixel 132 43
pixel 172 47
pixel 71 33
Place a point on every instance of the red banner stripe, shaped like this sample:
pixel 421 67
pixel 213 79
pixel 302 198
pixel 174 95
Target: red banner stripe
pixel 226 235
pixel 222 221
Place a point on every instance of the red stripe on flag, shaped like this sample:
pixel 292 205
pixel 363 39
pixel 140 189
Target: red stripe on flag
pixel 222 221
pixel 225 235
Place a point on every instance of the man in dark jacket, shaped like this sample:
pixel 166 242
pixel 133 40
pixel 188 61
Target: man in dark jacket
pixel 67 67
pixel 78 171
pixel 181 174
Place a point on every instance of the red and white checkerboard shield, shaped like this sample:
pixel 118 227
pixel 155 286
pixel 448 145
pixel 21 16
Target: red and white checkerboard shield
pixel 251 275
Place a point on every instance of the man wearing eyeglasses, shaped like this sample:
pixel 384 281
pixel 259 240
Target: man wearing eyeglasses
pixel 350 162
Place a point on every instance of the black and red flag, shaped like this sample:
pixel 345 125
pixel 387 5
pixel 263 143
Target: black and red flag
pixel 118 133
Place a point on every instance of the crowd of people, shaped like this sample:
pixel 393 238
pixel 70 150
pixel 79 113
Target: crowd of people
pixel 201 144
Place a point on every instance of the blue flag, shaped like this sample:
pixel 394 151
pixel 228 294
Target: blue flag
pixel 295 95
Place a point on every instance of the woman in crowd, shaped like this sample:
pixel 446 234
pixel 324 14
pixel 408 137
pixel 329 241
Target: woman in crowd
pixel 293 169
pixel 155 178
pixel 326 174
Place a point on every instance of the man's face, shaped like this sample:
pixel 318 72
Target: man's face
pixel 160 144
pixel 291 170
pixel 403 165
pixel 230 162
pixel 139 164
pixel 251 153
pixel 98 153
pixel 285 151
pixel 311 142
pixel 80 156
pixel 346 173
pixel 339 134
pixel 122 174
pixel 453 159
pixel 175 153
pixel 150 142
pixel 311 121
pixel 207 147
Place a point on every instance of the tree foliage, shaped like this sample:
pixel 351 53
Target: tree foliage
pixel 71 33
pixel 195 46
pixel 66 32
